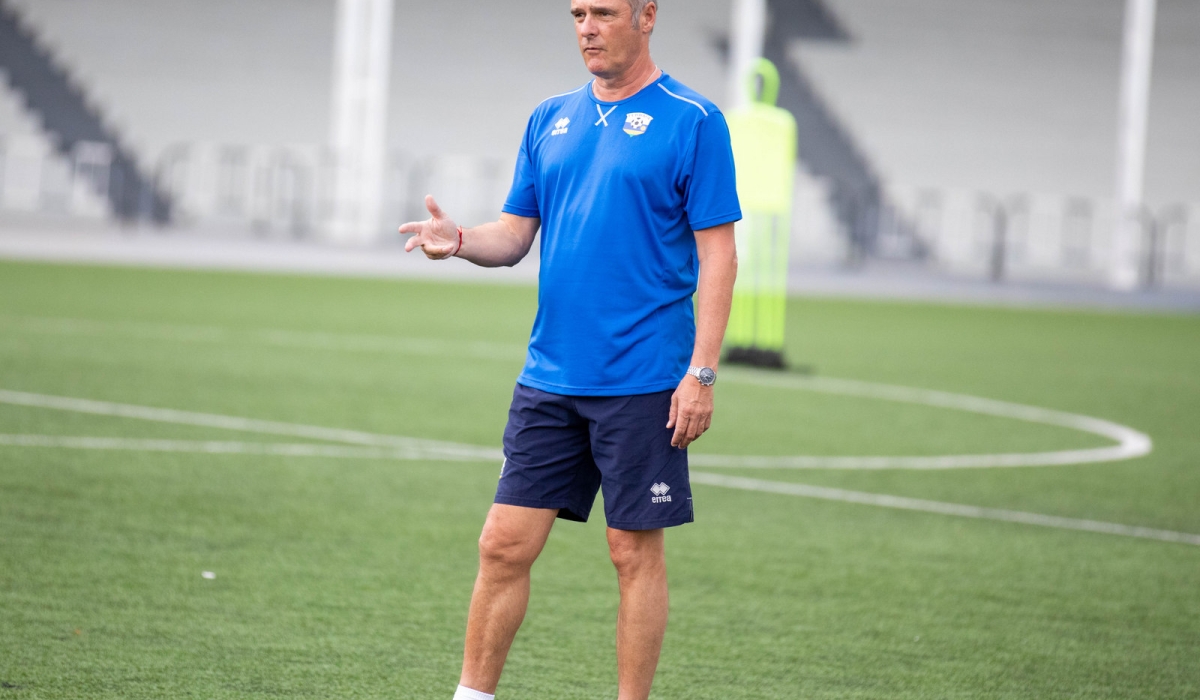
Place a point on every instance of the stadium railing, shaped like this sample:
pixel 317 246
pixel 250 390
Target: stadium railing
pixel 285 192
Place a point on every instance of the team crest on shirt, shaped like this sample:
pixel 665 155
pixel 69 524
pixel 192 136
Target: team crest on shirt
pixel 636 123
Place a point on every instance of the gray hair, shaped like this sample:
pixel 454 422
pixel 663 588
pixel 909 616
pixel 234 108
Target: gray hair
pixel 638 6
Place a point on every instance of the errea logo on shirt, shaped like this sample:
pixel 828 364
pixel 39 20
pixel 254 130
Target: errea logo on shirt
pixel 636 123
pixel 660 493
pixel 560 127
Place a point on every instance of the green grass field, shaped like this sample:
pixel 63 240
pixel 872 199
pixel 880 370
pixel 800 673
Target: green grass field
pixel 344 577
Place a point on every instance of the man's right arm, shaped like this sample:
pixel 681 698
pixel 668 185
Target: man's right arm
pixel 497 244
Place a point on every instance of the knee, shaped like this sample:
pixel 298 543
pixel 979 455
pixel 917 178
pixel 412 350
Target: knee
pixel 501 550
pixel 634 553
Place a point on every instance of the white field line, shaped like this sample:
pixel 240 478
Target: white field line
pixel 396 447
pixel 775 487
pixel 962 511
pixel 1130 443
pixel 222 447
pixel 342 342
pixel 250 425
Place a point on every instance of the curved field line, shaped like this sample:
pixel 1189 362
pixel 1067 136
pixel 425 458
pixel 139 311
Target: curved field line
pixel 360 445
pixel 1130 443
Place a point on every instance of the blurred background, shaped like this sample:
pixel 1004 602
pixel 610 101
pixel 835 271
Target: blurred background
pixel 222 485
pixel 947 148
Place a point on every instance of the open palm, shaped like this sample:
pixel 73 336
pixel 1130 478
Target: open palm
pixel 437 236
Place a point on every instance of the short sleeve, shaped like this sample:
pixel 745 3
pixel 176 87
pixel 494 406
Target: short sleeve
pixel 709 180
pixel 522 198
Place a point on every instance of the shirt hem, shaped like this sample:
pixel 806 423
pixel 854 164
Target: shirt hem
pixel 520 211
pixel 716 221
pixel 565 390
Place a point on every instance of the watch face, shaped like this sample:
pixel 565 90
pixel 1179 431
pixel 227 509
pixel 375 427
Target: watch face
pixel 707 377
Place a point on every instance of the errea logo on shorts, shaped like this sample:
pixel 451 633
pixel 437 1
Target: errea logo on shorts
pixel 660 493
pixel 560 127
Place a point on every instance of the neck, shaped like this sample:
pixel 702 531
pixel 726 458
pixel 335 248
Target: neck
pixel 628 84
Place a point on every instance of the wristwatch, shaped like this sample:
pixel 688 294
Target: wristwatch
pixel 705 375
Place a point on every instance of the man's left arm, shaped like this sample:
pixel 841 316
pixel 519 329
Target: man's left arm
pixel 692 404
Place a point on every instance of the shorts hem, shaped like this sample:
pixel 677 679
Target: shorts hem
pixel 579 514
pixel 651 524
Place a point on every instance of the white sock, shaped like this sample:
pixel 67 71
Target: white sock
pixel 465 693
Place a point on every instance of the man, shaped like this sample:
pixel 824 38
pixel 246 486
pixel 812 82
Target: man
pixel 631 180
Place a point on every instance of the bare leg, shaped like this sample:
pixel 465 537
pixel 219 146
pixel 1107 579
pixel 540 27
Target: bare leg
pixel 641 564
pixel 512 539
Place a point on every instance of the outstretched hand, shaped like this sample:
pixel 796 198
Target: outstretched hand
pixel 437 236
pixel 691 412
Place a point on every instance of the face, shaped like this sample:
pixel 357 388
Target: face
pixel 607 38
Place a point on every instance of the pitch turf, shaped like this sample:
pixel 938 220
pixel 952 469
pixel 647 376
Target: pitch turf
pixel 350 578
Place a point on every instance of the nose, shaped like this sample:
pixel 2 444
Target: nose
pixel 586 27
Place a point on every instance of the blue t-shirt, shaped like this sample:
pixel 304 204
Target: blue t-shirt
pixel 620 187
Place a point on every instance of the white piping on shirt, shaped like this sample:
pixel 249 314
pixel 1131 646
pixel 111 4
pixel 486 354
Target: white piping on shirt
pixel 562 95
pixel 698 105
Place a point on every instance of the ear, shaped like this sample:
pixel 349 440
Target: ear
pixel 649 17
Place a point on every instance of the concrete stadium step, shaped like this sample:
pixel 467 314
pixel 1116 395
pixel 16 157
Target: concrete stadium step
pixel 73 121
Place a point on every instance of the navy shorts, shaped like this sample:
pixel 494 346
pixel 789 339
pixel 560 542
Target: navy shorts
pixel 560 450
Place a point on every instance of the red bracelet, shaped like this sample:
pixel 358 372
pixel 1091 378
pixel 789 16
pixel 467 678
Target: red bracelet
pixel 460 235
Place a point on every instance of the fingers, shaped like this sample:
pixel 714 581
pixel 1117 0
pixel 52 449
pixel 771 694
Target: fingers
pixel 429 235
pixel 689 426
pixel 415 227
pixel 689 430
pixel 431 250
pixel 699 427
pixel 690 414
pixel 427 246
pixel 434 210
pixel 682 429
pixel 412 227
pixel 438 253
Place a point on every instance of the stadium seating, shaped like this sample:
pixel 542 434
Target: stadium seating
pixel 956 101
